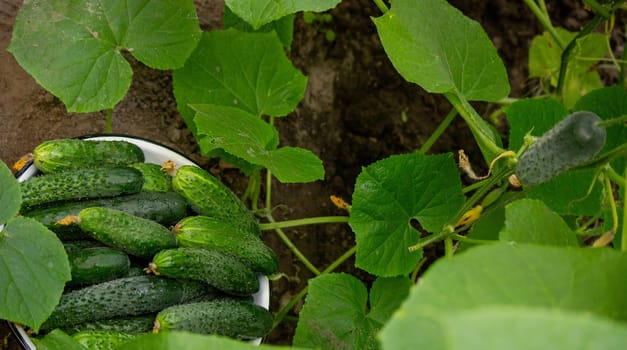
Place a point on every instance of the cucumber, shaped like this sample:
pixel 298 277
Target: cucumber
pixel 222 271
pixel 78 184
pixel 211 233
pixel 131 234
pixel 128 324
pixel 101 340
pixel 572 141
pixel 55 155
pixel 227 317
pixel 210 197
pixel 128 296
pixel 97 264
pixel 163 207
pixel 155 179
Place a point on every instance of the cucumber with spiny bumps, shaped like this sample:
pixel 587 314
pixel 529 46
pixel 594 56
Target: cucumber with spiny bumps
pixel 132 234
pixel 208 196
pixel 222 271
pixel 83 183
pixel 122 297
pixel 56 155
pixel 227 317
pixel 97 264
pixel 155 178
pixel 163 207
pixel 126 324
pixel 574 140
pixel 210 233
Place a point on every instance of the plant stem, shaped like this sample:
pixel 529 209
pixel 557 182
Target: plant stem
pixel 303 222
pixel 614 176
pixel 480 128
pixel 462 238
pixel 597 8
pixel 293 248
pixel 610 196
pixel 381 5
pixel 340 260
pixel 109 121
pixel 268 190
pixel 438 131
pixel 544 19
pixel 448 248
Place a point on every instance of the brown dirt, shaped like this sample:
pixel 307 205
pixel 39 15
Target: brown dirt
pixel 350 116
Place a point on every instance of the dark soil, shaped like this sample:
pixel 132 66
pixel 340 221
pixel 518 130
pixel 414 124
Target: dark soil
pixel 350 117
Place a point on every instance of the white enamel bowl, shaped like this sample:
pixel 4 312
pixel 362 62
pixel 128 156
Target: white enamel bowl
pixel 154 153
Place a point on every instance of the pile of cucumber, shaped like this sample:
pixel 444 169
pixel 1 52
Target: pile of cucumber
pixel 151 249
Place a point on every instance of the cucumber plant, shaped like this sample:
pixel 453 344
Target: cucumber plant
pixel 573 187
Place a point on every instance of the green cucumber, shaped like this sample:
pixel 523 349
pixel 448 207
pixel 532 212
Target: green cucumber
pixel 55 155
pixel 97 264
pixel 222 271
pixel 128 296
pixel 155 179
pixel 101 340
pixel 208 196
pixel 211 233
pixel 132 234
pixel 163 207
pixel 127 324
pixel 227 317
pixel 572 141
pixel 81 183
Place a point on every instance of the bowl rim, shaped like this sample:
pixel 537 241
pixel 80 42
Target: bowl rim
pixel 261 298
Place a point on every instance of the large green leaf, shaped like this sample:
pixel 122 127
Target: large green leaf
pixel 284 26
pixel 531 221
pixel 504 327
pixel 577 279
pixel 57 339
pixel 33 272
pixel 73 48
pixel 260 12
pixel 608 103
pixel 249 71
pixel 336 313
pixel 392 192
pixel 515 286
pixel 10 195
pixel 246 136
pixel 188 341
pixel 434 45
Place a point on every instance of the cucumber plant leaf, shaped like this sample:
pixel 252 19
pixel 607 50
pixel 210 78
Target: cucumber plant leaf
pixel 531 221
pixel 248 137
pixel 526 275
pixel 10 195
pixel 74 48
pixel 284 26
pixel 262 81
pixel 434 45
pixel 338 313
pixel 504 327
pixel 388 196
pixel 259 12
pixel 175 340
pixel 532 117
pixel 32 260
pixel 57 339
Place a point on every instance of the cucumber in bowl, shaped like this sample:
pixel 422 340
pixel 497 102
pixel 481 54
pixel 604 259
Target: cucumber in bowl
pixel 157 154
